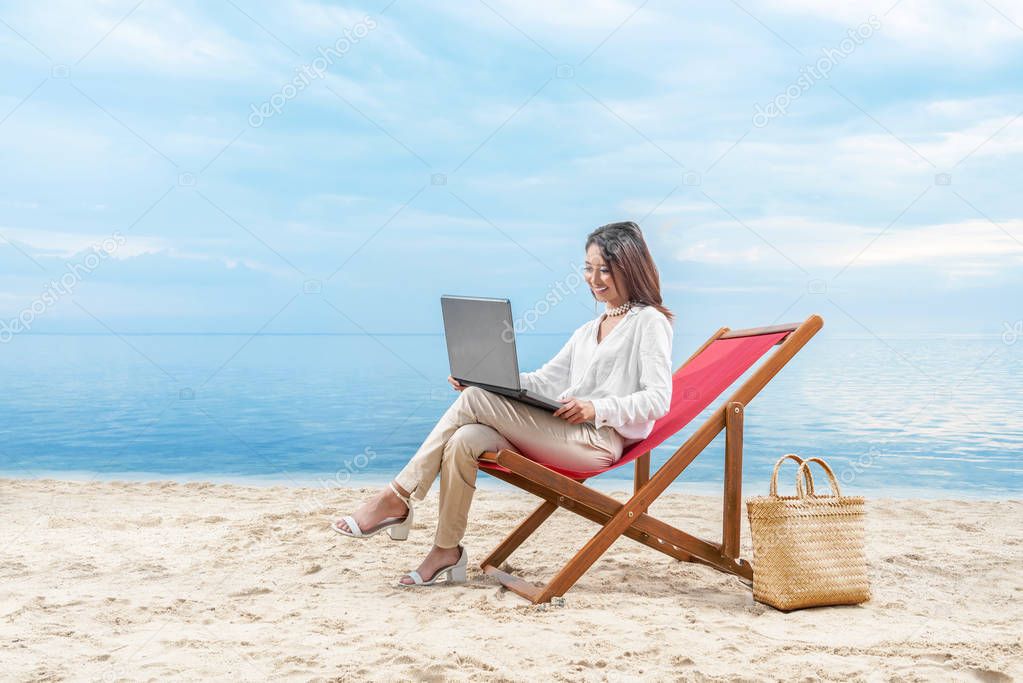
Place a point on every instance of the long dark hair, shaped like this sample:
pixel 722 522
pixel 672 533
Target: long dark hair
pixel 623 248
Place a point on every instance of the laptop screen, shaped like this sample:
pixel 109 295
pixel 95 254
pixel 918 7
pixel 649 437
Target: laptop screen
pixel 481 340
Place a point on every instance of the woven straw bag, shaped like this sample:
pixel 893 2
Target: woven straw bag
pixel 808 549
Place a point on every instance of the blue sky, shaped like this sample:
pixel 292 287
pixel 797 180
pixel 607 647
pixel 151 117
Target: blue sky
pixel 469 147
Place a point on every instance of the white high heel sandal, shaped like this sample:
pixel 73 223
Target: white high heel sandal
pixel 397 527
pixel 455 573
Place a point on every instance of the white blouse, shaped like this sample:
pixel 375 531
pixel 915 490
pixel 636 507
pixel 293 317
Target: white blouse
pixel 627 375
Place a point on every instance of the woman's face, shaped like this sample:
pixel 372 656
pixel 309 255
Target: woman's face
pixel 599 277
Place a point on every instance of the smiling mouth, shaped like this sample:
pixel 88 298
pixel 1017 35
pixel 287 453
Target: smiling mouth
pixel 599 289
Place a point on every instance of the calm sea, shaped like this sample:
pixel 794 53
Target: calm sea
pixel 904 416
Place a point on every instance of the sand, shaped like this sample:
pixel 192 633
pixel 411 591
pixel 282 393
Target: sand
pixel 154 581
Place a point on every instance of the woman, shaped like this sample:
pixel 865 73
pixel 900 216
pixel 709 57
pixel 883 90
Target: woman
pixel 613 383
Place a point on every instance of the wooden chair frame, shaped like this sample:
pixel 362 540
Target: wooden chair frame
pixel 630 518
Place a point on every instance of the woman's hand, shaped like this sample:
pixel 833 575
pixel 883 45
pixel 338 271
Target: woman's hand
pixel 576 411
pixel 454 383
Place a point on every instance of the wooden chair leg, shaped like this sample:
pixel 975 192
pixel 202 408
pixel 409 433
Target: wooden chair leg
pixel 732 513
pixel 642 474
pixel 519 535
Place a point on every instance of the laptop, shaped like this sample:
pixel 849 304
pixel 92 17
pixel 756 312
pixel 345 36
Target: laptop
pixel 480 333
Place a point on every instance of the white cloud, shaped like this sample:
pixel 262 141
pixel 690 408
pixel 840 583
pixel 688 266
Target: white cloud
pixel 321 19
pixel 971 248
pixel 326 24
pixel 999 136
pixel 715 252
pixel 157 36
pixel 37 135
pixel 18 204
pixel 572 19
pixel 72 247
pixel 66 245
pixel 957 28
pixel 714 289
pixel 669 207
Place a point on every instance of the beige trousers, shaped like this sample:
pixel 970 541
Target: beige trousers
pixel 480 421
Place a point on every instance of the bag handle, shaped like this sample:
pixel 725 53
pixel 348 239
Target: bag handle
pixel 802 474
pixel 804 469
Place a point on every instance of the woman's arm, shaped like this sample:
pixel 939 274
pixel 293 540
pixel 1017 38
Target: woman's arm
pixel 653 399
pixel 555 375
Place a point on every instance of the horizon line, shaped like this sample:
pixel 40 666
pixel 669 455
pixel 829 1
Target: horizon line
pixel 235 333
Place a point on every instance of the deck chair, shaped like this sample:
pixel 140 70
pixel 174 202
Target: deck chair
pixel 721 360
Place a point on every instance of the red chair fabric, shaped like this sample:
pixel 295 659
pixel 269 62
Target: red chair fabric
pixel 693 388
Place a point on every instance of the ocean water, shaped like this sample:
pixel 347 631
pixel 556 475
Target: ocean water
pixel 905 416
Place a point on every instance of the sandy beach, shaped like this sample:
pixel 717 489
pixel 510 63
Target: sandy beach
pixel 153 581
